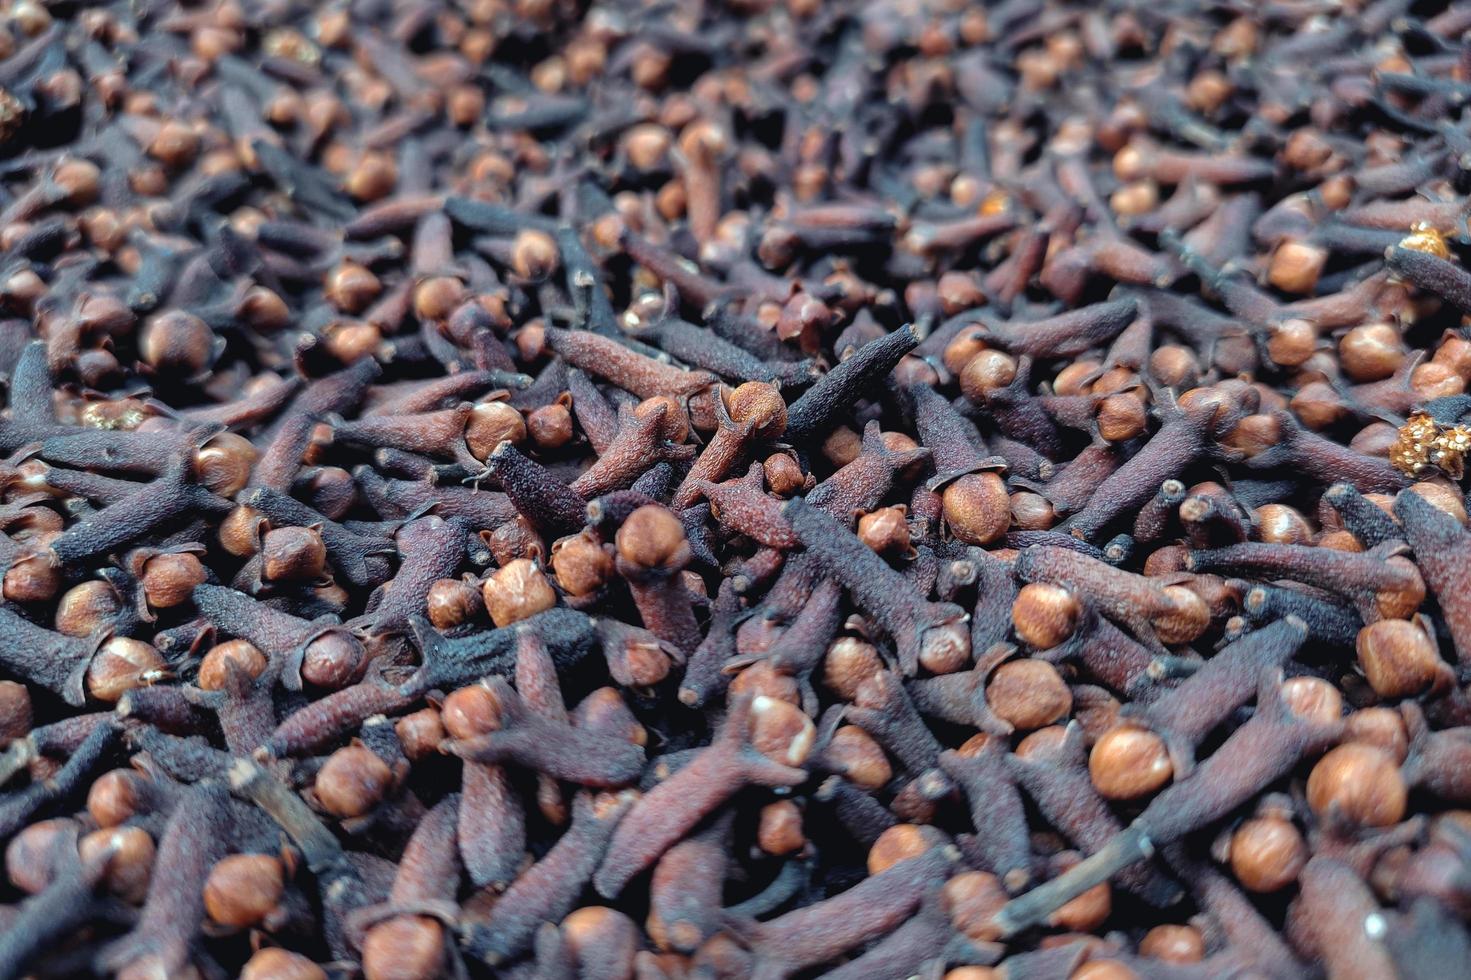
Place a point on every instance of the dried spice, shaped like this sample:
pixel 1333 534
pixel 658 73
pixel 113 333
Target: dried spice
pixel 753 490
pixel 1424 447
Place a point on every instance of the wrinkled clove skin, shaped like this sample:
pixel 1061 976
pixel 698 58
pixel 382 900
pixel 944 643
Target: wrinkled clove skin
pixel 1070 490
pixel 704 673
pixel 996 590
pixel 1114 659
pixel 922 631
pixel 699 347
pixel 628 369
pixel 492 825
pixel 316 651
pixel 645 436
pixel 653 551
pixel 431 549
pixel 1343 920
pixel 361 560
pixel 882 708
pixel 1431 273
pixel 1326 460
pixel 549 889
pixel 954 444
pixel 140 513
pixel 1380 582
pixel 685 889
pixel 173 911
pixel 996 812
pixel 1372 526
pixel 1068 334
pixel 1153 612
pixel 837 390
pixel 447 662
pixel 1328 621
pixel 399 498
pixel 668 811
pixel 1169 452
pixel 329 717
pixel 824 931
pixel 557 749
pixel 290 435
pixel 49 660
pixel 863 483
pixel 1056 781
pixel 755 413
pixel 745 507
pixel 1256 754
pixel 1186 714
pixel 415 922
pixel 1441 546
pixel 541 499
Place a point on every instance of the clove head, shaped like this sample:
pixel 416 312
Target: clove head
pixel 405 947
pixel 1028 694
pixel 226 658
pixel 653 539
pixel 1398 658
pixel 1358 784
pixel 1128 763
pixel 1044 615
pixel 1266 853
pixel 759 406
pixel 452 602
pixel 120 665
pixel 517 591
pixel 333 659
pixel 352 782
pixel 293 554
pixel 276 963
pixel 243 889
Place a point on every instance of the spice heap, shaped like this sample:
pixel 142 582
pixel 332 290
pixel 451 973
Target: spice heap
pixel 749 490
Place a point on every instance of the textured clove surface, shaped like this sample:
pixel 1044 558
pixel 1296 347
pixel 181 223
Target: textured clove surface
pixel 705 491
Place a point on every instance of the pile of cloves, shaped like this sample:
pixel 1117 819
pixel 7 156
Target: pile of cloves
pixel 780 488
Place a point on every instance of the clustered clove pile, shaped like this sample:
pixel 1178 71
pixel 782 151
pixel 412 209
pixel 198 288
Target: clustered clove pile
pixel 775 488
